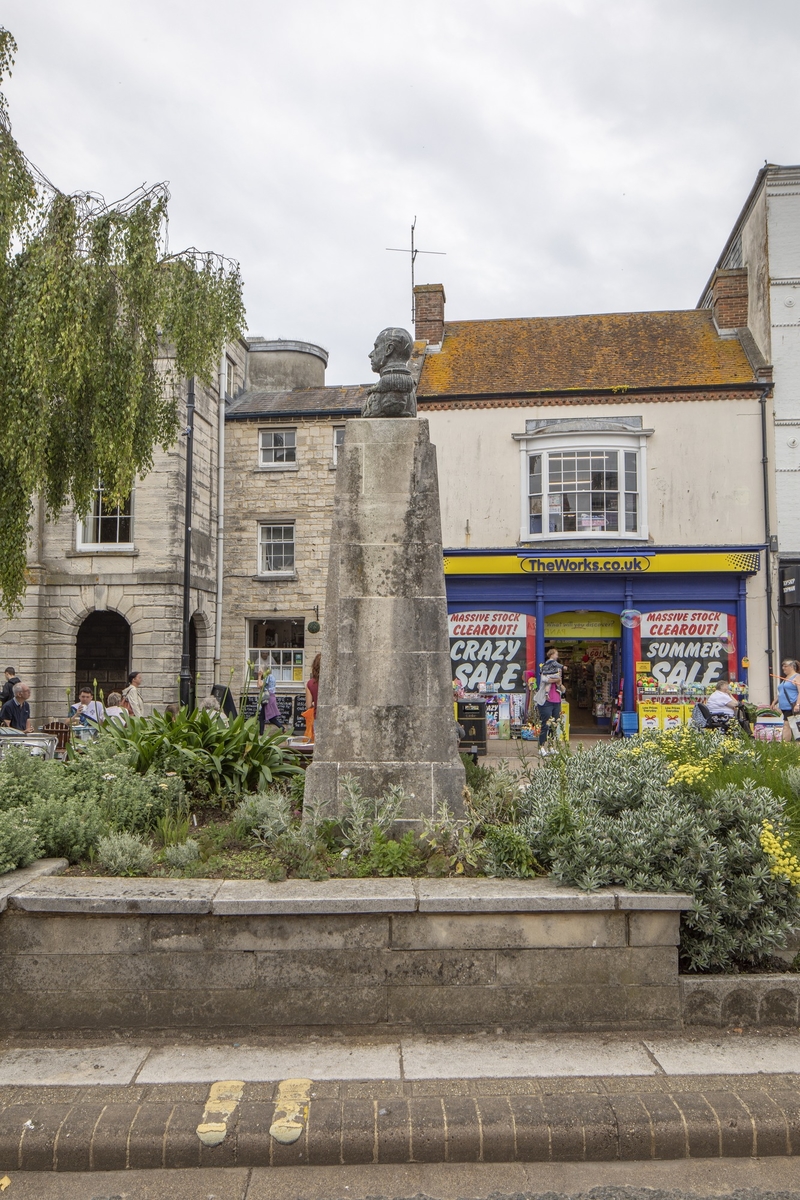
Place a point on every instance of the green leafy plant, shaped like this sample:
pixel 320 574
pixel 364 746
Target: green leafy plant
pixel 19 840
pixel 390 857
pixel 90 298
pixel 231 758
pixel 172 828
pixel 506 853
pixel 124 854
pixel 449 843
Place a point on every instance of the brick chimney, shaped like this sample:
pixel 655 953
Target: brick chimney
pixel 729 298
pixel 429 300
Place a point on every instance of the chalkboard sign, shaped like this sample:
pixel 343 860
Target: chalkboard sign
pixel 250 705
pixel 299 709
pixel 285 710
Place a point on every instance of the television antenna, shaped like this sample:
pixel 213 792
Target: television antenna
pixel 414 252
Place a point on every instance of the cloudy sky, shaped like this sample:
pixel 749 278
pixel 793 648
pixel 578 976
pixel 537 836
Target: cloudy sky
pixel 569 156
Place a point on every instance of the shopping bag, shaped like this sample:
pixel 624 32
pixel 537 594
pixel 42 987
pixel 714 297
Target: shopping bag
pixel 794 725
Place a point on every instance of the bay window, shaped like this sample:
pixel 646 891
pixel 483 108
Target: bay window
pixel 581 482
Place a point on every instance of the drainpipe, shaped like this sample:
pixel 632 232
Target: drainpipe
pixel 186 674
pixel 223 374
pixel 767 538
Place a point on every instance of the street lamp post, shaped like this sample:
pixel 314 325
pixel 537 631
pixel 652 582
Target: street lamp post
pixel 186 673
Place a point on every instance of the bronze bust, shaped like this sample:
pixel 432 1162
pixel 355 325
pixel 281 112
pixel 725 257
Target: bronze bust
pixel 394 395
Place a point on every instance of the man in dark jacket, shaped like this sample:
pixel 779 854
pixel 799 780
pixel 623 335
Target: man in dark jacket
pixel 7 690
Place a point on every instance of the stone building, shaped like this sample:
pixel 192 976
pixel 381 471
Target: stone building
pixel 280 465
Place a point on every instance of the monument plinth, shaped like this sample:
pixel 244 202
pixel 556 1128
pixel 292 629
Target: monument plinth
pixel 385 708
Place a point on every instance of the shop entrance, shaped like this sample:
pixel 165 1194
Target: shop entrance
pixel 589 645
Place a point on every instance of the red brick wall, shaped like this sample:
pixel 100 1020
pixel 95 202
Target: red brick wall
pixel 729 289
pixel 429 300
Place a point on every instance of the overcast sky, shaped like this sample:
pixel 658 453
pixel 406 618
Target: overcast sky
pixel 570 156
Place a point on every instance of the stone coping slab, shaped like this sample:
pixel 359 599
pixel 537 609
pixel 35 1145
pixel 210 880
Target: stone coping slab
pixel 535 895
pixel 243 897
pixel 12 881
pixel 96 895
pixel 41 892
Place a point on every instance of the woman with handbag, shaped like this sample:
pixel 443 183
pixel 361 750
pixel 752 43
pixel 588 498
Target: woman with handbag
pixel 548 698
pixel 269 713
pixel 789 696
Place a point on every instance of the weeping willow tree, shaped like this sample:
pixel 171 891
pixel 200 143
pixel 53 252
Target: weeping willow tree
pixel 90 297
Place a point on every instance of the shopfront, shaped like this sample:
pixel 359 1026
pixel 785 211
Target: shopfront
pixel 663 620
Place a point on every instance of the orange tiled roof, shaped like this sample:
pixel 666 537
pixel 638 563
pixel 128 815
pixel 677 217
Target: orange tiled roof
pixel 600 352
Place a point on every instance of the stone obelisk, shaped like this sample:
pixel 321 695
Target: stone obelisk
pixel 385 707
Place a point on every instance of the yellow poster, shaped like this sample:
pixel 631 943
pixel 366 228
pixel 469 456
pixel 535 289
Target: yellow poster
pixel 582 625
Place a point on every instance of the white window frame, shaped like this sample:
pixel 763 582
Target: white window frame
pixel 284 572
pixel 279 659
pixel 337 429
pixel 82 543
pixel 557 441
pixel 287 464
pixel 230 377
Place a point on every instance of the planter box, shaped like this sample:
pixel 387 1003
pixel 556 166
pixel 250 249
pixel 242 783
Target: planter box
pixel 370 954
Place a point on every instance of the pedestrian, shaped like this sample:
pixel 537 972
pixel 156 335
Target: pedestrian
pixel 269 713
pixel 548 698
pixel 131 696
pixel 312 694
pixel 87 709
pixel 721 703
pixel 789 695
pixel 114 709
pixel 312 685
pixel 7 690
pixel 16 712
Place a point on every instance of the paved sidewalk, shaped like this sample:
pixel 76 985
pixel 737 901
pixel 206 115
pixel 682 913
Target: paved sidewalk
pixel 437 1100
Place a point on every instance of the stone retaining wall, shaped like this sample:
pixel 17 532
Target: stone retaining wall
pixel 743 1001
pixel 104 954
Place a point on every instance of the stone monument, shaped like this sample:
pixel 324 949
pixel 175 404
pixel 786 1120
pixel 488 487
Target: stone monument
pixel 385 709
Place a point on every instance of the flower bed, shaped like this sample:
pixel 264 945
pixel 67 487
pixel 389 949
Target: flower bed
pixel 701 813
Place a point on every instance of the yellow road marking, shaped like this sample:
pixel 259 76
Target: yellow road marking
pixel 291 1110
pixel 4 1183
pixel 221 1103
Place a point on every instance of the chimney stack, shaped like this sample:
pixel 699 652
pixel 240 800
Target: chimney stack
pixel 729 298
pixel 429 300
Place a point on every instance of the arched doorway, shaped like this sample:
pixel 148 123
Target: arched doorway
pixel 103 652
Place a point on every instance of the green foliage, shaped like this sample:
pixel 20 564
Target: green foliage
pixel 19 840
pixel 620 815
pixel 23 776
pixel 172 828
pixel 68 826
pixel 495 799
pixel 90 299
pixel 390 857
pixel 449 844
pixel 477 776
pixel 124 854
pixel 211 756
pixel 507 853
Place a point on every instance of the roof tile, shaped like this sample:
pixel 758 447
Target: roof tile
pixel 604 351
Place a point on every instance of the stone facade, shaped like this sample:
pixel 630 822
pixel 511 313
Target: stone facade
pixel 298 494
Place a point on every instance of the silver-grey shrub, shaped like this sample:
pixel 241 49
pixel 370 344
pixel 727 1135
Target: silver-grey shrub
pixel 124 854
pixel 609 817
pixel 182 855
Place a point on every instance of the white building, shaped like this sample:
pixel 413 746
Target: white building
pixel 756 286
